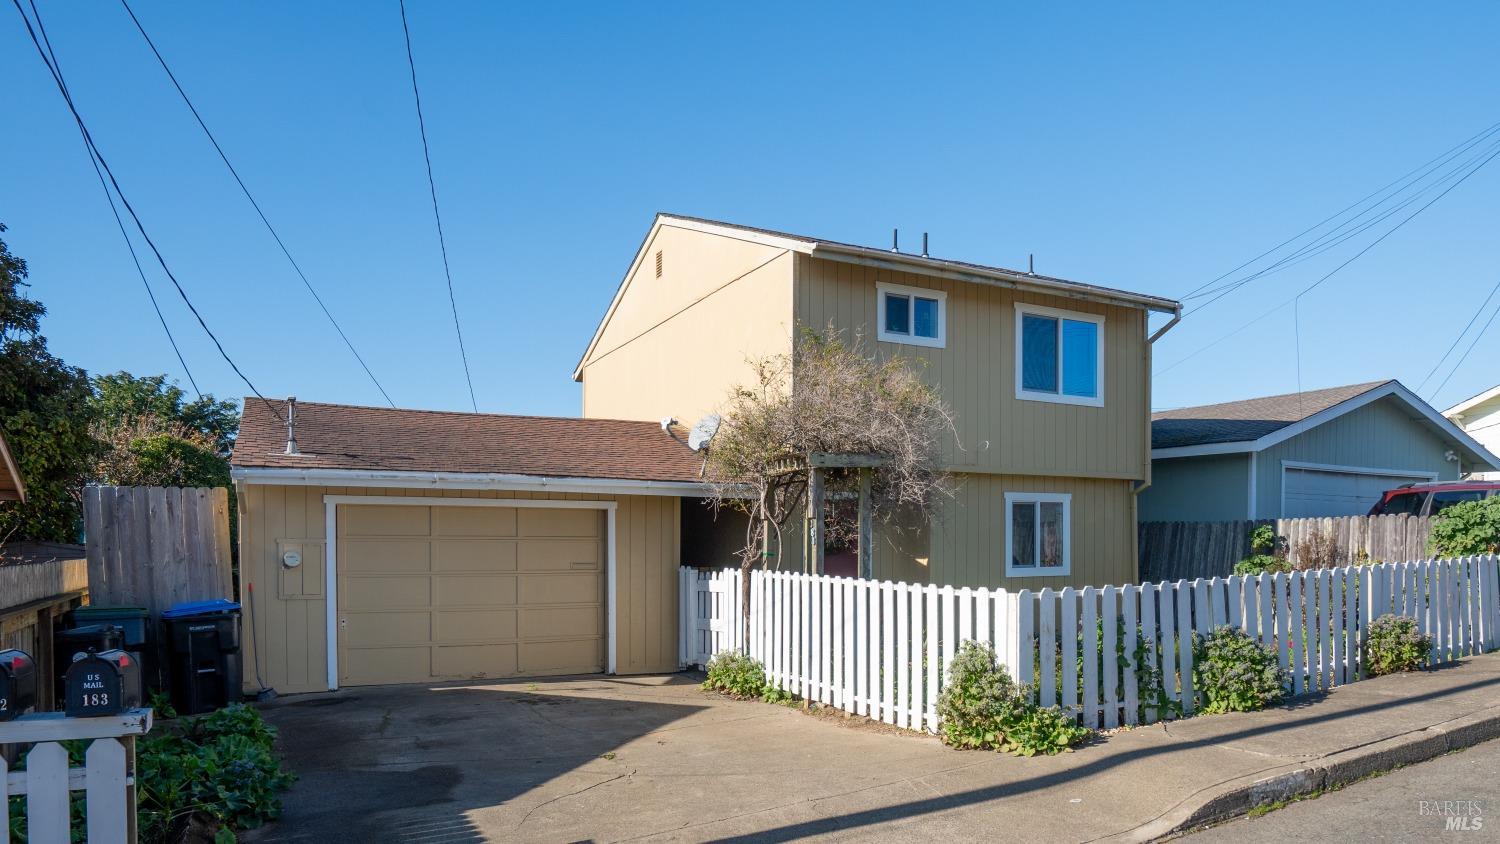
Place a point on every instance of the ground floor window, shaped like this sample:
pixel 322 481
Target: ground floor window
pixel 1037 533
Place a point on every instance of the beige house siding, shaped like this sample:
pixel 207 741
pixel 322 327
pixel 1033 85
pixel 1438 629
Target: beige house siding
pixel 286 622
pixel 675 345
pixel 975 373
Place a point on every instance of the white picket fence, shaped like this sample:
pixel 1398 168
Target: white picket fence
pixel 881 649
pixel 107 777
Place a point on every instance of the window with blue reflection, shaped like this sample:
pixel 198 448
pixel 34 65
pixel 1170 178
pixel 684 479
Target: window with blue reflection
pixel 897 314
pixel 1080 345
pixel 1039 353
pixel 924 317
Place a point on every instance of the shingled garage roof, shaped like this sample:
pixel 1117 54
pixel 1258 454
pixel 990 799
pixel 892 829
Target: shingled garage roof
pixel 1251 419
pixel 335 436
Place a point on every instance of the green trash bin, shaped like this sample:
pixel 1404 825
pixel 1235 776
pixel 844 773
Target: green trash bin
pixel 139 630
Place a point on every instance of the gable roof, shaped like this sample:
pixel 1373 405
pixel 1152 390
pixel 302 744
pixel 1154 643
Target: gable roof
pixel 12 485
pixel 1488 397
pixel 872 256
pixel 404 443
pixel 1256 424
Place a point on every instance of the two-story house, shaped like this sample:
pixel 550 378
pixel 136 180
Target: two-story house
pixel 382 545
pixel 1049 380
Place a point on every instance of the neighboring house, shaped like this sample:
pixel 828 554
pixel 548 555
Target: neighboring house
pixel 1049 379
pixel 1480 418
pixel 12 485
pixel 1328 452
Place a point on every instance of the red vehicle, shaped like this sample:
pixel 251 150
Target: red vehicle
pixel 1429 499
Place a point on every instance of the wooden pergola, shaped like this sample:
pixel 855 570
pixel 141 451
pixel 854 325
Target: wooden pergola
pixel 814 535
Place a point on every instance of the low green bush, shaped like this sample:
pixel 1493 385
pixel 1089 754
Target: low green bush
pixel 1235 673
pixel 1394 645
pixel 1468 527
pixel 1262 564
pixel 736 675
pixel 981 707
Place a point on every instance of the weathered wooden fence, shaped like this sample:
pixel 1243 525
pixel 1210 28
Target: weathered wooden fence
pixel 882 649
pixel 38 584
pixel 154 547
pixel 1172 550
pixel 107 777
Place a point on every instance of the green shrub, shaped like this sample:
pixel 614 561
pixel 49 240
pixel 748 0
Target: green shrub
pixel 1262 564
pixel 736 675
pixel 1267 553
pixel 981 707
pixel 1235 673
pixel 1469 527
pixel 1394 644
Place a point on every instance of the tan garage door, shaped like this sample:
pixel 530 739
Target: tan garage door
pixel 430 593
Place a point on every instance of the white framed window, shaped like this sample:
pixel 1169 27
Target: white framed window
pixel 1059 356
pixel 1038 534
pixel 915 316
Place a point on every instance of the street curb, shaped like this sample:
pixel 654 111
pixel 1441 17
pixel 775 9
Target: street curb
pixel 1236 797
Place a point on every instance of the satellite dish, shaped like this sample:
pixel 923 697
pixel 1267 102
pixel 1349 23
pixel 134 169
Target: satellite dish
pixel 703 432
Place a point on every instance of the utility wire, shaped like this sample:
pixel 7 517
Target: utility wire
pixel 57 78
pixel 1197 291
pixel 109 197
pixel 256 205
pixel 1335 270
pixel 1465 355
pixel 1458 337
pixel 432 187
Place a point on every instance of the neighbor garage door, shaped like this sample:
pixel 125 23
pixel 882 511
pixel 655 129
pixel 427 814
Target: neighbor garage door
pixel 1320 492
pixel 451 592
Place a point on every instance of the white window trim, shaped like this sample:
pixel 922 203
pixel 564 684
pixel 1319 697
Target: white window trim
pixel 1059 397
pixel 941 341
pixel 1063 498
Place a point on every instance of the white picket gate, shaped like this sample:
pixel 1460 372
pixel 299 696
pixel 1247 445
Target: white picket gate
pixel 107 777
pixel 881 649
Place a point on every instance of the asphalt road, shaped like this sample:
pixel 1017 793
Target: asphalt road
pixel 1411 804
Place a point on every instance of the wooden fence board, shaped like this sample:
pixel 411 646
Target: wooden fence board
pixel 1187 550
pixel 153 547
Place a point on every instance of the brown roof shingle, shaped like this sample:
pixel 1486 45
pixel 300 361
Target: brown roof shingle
pixel 1251 419
pixel 336 436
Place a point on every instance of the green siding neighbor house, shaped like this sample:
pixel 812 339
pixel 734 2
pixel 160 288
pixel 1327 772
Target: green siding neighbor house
pixel 1328 452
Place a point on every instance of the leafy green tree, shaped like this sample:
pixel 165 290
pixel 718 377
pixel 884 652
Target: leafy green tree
pixel 45 414
pixel 121 399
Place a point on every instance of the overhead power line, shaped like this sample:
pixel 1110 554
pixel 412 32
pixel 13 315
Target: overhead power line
pixel 1459 336
pixel 1308 289
pixel 256 205
pixel 432 188
pixel 1465 356
pixel 109 197
pixel 57 78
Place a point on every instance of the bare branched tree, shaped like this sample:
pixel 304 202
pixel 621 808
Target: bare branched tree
pixel 830 397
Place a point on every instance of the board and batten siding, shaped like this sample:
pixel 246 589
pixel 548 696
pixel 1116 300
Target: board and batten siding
pixel 676 345
pixel 285 626
pixel 1211 488
pixel 975 373
pixel 1380 435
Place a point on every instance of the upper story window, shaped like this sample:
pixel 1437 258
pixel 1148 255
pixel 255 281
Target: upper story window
pixel 915 316
pixel 1059 356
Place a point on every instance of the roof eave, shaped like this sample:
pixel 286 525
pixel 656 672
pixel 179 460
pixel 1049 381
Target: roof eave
pixel 1470 403
pixel 284 476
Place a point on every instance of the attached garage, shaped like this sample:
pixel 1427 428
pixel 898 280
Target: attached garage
pixel 502 547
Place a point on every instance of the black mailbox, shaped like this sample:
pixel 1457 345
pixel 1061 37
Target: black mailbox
pixel 104 683
pixel 17 684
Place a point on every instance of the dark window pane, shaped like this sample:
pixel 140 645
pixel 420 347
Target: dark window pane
pixel 1052 534
pixel 897 314
pixel 1023 534
pixel 925 318
pixel 1080 358
pixel 1039 353
pixel 1407 503
pixel 1443 500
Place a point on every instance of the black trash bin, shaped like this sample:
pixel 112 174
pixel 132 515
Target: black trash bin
pixel 76 642
pixel 139 637
pixel 203 643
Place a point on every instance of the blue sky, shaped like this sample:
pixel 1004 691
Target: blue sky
pixel 1145 147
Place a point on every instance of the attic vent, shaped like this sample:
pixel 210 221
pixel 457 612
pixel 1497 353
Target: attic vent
pixel 658 263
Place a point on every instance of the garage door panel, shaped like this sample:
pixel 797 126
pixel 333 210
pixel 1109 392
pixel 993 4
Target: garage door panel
pixel 369 592
pixel 1317 492
pixel 387 555
pixel 383 520
pixel 559 589
pixel 384 629
pixel 559 555
pixel 579 656
pixel 559 622
pixel 474 521
pixel 544 523
pixel 474 555
pixel 475 660
pixel 473 590
pixel 476 625
pixel 364 666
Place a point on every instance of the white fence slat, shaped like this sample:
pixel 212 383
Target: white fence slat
pixel 1216 598
pixel 838 675
pixel 1266 587
pixel 965 614
pixel 1338 647
pixel 1281 585
pixel 1317 630
pixel 819 645
pixel 1232 597
pixel 1183 595
pixel 1327 637
pixel 804 636
pixel 47 794
pixel 1440 610
pixel 930 625
pixel 1167 618
pixel 1250 600
pixel 877 620
pixel 1090 651
pixel 982 614
pixel 1296 594
pixel 106 810
pixel 1149 638
pixel 851 645
pixel 888 652
pixel 1067 631
pixel 903 656
pixel 1132 636
pixel 916 702
pixel 1025 631
pixel 1466 622
pixel 949 612
pixel 4 805
pixel 1047 647
pixel 1109 656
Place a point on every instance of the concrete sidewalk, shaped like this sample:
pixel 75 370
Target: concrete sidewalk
pixel 613 759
